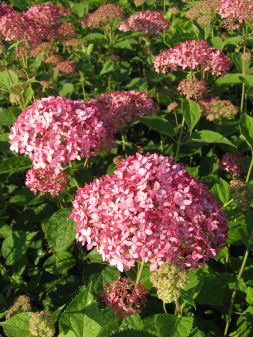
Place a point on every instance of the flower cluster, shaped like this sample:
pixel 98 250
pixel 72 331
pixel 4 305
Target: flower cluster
pixel 169 280
pixel 46 180
pixel 148 22
pixel 232 163
pixel 203 11
pixel 215 108
pixel 22 304
pixel 104 15
pixel 235 12
pixel 41 324
pixel 5 9
pixel 124 296
pixel 150 210
pixel 193 54
pixel 192 88
pixel 241 194
pixel 54 131
pixel 124 106
pixel 40 22
pixel 66 67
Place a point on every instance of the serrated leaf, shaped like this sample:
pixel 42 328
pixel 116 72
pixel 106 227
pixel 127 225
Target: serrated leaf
pixel 164 325
pixel 14 164
pixel 8 78
pixel 159 124
pixel 59 264
pixel 17 325
pixel 66 90
pixel 222 191
pixel 246 127
pixel 7 117
pixel 60 231
pixel 209 137
pixel 192 113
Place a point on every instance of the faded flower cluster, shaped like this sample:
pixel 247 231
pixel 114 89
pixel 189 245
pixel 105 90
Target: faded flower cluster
pixel 215 108
pixel 232 163
pixel 150 210
pixel 124 297
pixel 192 88
pixel 148 22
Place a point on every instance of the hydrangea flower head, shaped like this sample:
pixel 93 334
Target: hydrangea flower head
pixel 124 297
pixel 105 14
pixel 232 163
pixel 215 108
pixel 55 130
pixel 192 88
pixel 150 210
pixel 193 54
pixel 46 180
pixel 235 12
pixel 124 106
pixel 148 22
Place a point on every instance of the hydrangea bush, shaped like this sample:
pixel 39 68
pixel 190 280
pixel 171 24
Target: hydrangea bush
pixel 126 168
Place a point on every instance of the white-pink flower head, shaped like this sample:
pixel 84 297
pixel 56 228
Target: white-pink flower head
pixel 150 210
pixel 193 54
pixel 149 22
pixel 55 130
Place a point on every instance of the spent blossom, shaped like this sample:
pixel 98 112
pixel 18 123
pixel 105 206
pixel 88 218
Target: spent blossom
pixel 192 88
pixel 41 324
pixel 169 280
pixel 241 194
pixel 54 131
pixel 150 210
pixel 46 180
pixel 21 304
pixel 193 54
pixel 66 67
pixel 124 106
pixel 148 22
pixel 203 11
pixel 124 297
pixel 104 15
pixel 232 163
pixel 215 108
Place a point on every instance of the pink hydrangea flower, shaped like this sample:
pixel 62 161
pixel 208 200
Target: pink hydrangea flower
pixel 149 22
pixel 66 67
pixel 125 297
pixel 232 163
pixel 46 180
pixel 235 12
pixel 124 106
pixel 55 130
pixel 5 9
pixel 193 54
pixel 192 88
pixel 150 210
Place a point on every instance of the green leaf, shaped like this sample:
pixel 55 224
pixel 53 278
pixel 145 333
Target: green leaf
pixel 8 78
pixel 17 325
pixel 222 191
pixel 66 90
pixel 164 325
pixel 7 117
pixel 246 127
pixel 159 124
pixel 209 137
pixel 229 79
pixel 60 231
pixel 82 316
pixel 59 264
pixel 249 297
pixel 14 164
pixel 133 321
pixel 192 113
pixel 108 67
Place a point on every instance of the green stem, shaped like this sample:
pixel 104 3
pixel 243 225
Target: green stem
pixel 228 203
pixel 243 84
pixel 180 139
pixel 139 272
pixel 178 311
pixel 244 261
pixel 164 308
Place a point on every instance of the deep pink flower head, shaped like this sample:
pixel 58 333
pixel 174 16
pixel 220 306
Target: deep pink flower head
pixel 55 130
pixel 46 14
pixel 193 54
pixel 124 106
pixel 150 210
pixel 149 22
pixel 46 180
pixel 5 9
pixel 232 163
pixel 192 88
pixel 235 12
pixel 125 297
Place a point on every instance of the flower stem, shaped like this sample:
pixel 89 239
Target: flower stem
pixel 243 84
pixel 250 168
pixel 164 308
pixel 141 265
pixel 178 310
